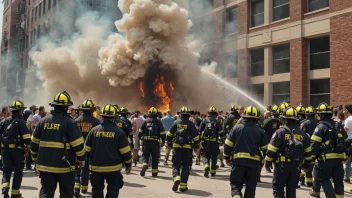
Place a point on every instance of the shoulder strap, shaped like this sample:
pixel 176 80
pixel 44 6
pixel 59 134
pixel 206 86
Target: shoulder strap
pixel 326 124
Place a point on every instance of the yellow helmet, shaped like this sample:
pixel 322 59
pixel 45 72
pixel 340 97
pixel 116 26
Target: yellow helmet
pixel 290 113
pixel 88 105
pixel 301 110
pixel 310 110
pixel 62 99
pixel 185 110
pixel 17 105
pixel 109 111
pixel 275 110
pixel 212 109
pixel 324 108
pixel 124 110
pixel 284 106
pixel 234 108
pixel 153 111
pixel 250 112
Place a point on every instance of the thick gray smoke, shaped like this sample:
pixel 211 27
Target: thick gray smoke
pixel 88 65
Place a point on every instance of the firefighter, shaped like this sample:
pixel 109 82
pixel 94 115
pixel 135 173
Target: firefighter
pixel 180 137
pixel 221 120
pixel 122 124
pixel 308 127
pixel 59 141
pixel 283 106
pixel 150 133
pixel 328 147
pixel 242 152
pixel 211 130
pixel 231 121
pixel 289 149
pixel 273 123
pixel 107 141
pixel 127 123
pixel 15 143
pixel 85 122
pixel 301 114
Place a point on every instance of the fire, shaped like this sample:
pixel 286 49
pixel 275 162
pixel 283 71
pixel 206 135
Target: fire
pixel 141 89
pixel 160 90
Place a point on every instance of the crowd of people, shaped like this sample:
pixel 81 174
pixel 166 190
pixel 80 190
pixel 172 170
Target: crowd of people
pixel 301 146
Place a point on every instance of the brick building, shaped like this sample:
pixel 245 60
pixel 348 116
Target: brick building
pixel 25 23
pixel 293 50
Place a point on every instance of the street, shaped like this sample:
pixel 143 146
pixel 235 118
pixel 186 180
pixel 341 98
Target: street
pixel 199 186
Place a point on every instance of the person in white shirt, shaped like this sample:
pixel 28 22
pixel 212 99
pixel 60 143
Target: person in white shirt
pixel 347 111
pixel 137 122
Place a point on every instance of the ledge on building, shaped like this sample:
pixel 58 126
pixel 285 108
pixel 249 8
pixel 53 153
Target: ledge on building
pixel 313 12
pixel 281 20
pixel 259 26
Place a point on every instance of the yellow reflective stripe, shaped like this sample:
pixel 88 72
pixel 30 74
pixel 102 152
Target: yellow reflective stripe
pixel 32 152
pixel 183 185
pixel 51 169
pixel 272 148
pixel 229 143
pixel 309 149
pixel 125 150
pixel 316 138
pixel 236 196
pixel 105 168
pixel 177 178
pixel 34 158
pixel 309 179
pixel 212 171
pixel 150 138
pixel 282 159
pixel 170 134
pixel 15 192
pixel 77 185
pixel 80 153
pixel 77 142
pixel 346 139
pixel 140 130
pixel 26 136
pixel 35 140
pixel 246 156
pixel 175 145
pixel 339 196
pixel 162 133
pixel 264 147
pixel 154 170
pixel 334 156
pixel 53 144
pixel 88 148
pixel 196 138
pixel 84 187
pixel 221 131
pixel 5 185
pixel 308 158
pixel 206 166
pixel 11 146
pixel 268 159
pixel 128 161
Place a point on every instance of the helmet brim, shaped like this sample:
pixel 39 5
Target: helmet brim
pixel 291 118
pixel 244 116
pixel 111 116
pixel 56 104
pixel 86 109
pixel 15 109
pixel 325 112
pixel 185 113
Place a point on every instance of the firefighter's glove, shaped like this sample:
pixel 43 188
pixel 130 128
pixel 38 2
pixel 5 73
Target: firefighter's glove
pixel 268 166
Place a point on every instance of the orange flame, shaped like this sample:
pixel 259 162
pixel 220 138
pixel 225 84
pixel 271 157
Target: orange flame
pixel 141 88
pixel 160 88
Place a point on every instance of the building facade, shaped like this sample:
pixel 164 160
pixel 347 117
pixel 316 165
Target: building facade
pixel 25 23
pixel 281 50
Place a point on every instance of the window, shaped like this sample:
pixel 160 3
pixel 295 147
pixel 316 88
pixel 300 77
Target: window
pixel 257 62
pixel 320 53
pixel 319 92
pixel 32 15
pixel 54 2
pixel 35 13
pixel 257 90
pixel 198 6
pixel 229 64
pixel 281 92
pixel 317 4
pixel 281 59
pixel 40 8
pixel 281 9
pixel 90 3
pixel 38 32
pixel 231 20
pixel 257 12
pixel 44 4
pixel 49 4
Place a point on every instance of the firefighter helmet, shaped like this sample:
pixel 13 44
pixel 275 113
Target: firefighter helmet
pixel 87 105
pixel 234 108
pixel 109 111
pixel 290 113
pixel 212 109
pixel 124 110
pixel 62 99
pixel 284 106
pixel 17 105
pixel 301 110
pixel 153 111
pixel 250 112
pixel 310 110
pixel 185 110
pixel 324 108
pixel 275 110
